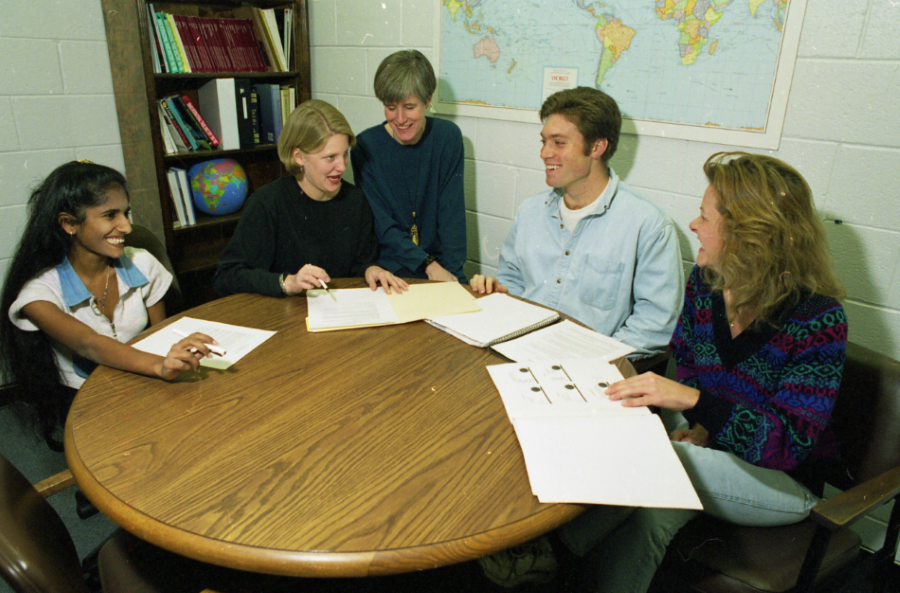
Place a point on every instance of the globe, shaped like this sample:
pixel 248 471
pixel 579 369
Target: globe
pixel 219 186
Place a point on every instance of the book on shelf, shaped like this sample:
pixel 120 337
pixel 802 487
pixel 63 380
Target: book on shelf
pixel 182 119
pixel 289 36
pixel 198 119
pixel 242 87
pixel 274 38
pixel 177 200
pixel 218 102
pixel 204 44
pixel 184 187
pixel 288 98
pixel 501 318
pixel 172 62
pixel 178 44
pixel 170 117
pixel 156 52
pixel 171 131
pixel 254 116
pixel 269 112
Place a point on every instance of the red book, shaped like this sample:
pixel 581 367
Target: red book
pixel 200 121
pixel 202 50
pixel 254 53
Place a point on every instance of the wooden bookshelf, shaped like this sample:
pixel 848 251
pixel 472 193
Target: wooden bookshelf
pixel 193 250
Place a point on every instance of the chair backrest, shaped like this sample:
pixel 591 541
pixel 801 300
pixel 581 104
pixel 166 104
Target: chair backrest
pixel 142 238
pixel 36 552
pixel 866 417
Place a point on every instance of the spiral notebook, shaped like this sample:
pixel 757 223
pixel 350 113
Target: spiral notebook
pixel 501 318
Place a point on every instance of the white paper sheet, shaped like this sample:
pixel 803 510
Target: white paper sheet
pixel 618 460
pixel 349 308
pixel 563 388
pixel 563 340
pixel 236 340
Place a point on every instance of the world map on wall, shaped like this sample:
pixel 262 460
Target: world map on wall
pixel 708 63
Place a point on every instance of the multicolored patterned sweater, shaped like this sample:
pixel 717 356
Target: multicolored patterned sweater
pixel 767 395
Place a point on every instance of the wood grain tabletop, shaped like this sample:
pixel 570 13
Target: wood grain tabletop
pixel 349 453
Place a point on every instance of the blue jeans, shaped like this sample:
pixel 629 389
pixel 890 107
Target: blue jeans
pixel 622 546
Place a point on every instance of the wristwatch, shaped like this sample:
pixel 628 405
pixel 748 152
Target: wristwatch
pixel 426 262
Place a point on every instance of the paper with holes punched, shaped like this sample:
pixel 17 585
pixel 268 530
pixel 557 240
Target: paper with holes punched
pixel 580 447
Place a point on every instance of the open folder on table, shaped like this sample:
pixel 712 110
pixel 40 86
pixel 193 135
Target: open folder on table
pixel 580 447
pixel 501 318
pixel 363 307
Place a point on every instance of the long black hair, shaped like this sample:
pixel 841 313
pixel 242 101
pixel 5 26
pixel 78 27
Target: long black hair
pixel 26 357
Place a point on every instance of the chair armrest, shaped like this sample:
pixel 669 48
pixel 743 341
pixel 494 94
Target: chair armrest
pixel 54 484
pixel 846 508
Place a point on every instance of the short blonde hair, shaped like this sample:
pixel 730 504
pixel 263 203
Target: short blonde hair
pixel 774 245
pixel 308 128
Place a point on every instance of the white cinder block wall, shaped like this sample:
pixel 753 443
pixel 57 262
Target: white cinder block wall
pixel 842 129
pixel 56 101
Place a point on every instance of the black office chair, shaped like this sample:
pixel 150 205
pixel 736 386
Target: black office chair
pixel 820 553
pixel 37 554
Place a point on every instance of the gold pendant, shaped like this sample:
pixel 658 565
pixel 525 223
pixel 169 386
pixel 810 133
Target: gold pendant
pixel 414 231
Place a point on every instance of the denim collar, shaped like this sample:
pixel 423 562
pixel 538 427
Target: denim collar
pixel 73 289
pixel 606 198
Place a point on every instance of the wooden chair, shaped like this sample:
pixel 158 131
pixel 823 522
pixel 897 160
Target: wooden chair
pixel 142 238
pixel 820 553
pixel 37 554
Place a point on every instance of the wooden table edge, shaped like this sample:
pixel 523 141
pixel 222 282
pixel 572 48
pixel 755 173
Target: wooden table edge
pixel 326 563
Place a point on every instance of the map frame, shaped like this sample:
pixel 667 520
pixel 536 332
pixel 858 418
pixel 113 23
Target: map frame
pixel 767 138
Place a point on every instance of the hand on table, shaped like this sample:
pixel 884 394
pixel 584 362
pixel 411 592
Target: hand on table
pixel 649 389
pixel 306 278
pixel 185 355
pixel 436 271
pixel 486 284
pixel 696 436
pixel 376 275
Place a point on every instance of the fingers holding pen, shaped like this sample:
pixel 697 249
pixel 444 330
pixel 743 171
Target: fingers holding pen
pixel 306 278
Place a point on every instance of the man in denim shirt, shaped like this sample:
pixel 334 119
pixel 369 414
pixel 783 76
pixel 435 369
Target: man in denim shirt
pixel 589 246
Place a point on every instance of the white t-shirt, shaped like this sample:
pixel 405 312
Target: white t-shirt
pixel 143 282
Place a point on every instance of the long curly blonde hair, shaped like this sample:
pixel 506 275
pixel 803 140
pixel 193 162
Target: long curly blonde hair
pixel 774 245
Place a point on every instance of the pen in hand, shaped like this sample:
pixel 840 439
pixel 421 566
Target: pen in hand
pixel 212 347
pixel 325 286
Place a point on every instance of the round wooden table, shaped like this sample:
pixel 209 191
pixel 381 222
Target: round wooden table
pixel 349 453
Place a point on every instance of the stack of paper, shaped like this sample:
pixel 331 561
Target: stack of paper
pixel 580 447
pixel 501 318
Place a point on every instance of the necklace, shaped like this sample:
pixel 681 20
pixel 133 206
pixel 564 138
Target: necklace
pixel 105 290
pixel 101 310
pixel 411 195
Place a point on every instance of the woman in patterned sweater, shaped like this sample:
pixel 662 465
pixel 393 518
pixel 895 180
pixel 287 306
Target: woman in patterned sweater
pixel 759 352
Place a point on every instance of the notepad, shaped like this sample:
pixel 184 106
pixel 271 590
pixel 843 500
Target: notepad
pixel 501 318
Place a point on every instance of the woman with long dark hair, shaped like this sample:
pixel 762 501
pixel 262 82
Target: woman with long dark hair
pixel 74 294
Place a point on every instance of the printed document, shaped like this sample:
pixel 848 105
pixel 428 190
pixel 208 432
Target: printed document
pixel 580 447
pixel 562 340
pixel 363 307
pixel 236 340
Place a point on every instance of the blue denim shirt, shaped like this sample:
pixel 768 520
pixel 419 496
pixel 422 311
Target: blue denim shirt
pixel 619 272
